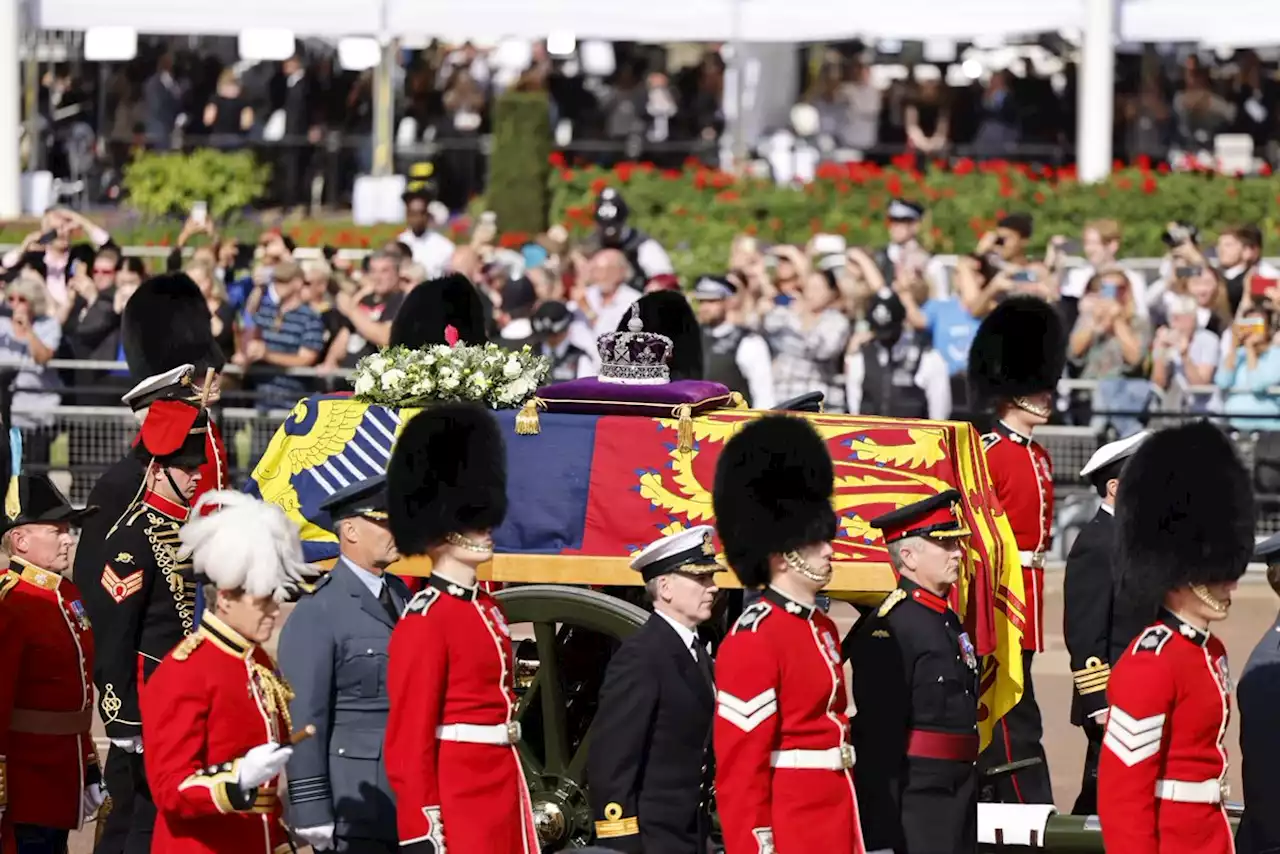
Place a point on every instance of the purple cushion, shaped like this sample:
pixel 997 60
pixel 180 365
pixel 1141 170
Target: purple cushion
pixel 589 396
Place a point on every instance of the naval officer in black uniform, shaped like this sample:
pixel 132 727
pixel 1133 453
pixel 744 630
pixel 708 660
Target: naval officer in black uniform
pixel 651 738
pixel 915 684
pixel 1258 694
pixel 1096 626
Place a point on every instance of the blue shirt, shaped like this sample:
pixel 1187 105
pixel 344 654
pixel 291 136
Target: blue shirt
pixel 952 329
pixel 299 329
pixel 1246 391
pixel 375 583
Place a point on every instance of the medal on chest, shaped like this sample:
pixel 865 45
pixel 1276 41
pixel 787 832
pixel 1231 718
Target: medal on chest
pixel 967 651
pixel 77 611
pixel 499 621
pixel 829 645
pixel 1224 675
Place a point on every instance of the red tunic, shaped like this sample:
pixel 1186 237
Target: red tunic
pixel 213 474
pixel 1170 696
pixel 780 687
pixel 210 701
pixel 1023 476
pixel 450 663
pixel 51 756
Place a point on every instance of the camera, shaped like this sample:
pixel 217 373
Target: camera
pixel 1180 233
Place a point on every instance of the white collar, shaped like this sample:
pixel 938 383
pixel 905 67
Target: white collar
pixel 375 583
pixel 687 635
pixel 1108 509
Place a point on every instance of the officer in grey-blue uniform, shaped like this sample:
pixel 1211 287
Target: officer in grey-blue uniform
pixel 1259 695
pixel 333 651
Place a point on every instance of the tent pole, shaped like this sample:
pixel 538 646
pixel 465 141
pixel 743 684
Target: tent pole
pixel 10 114
pixel 384 110
pixel 1096 91
pixel 739 90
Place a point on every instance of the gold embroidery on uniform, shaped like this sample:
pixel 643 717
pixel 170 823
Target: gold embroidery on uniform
pixel 188 646
pixel 274 694
pixel 162 533
pixel 111 705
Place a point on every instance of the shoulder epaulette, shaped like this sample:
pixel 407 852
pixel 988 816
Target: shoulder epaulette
pixel 422 601
pixel 319 582
pixel 188 646
pixel 752 616
pixel 890 602
pixel 1152 640
pixel 989 439
pixel 8 581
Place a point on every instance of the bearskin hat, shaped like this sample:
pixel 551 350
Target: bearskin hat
pixel 1020 349
pixel 668 313
pixel 772 494
pixel 448 474
pixel 448 301
pixel 166 324
pixel 1184 512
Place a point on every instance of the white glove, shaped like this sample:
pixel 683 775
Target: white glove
pixel 129 745
pixel 261 764
pixel 92 798
pixel 320 838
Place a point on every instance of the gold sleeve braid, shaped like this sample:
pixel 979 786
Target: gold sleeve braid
pixel 276 696
pixel 1093 677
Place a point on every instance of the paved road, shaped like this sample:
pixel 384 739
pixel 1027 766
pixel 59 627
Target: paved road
pixel 1252 614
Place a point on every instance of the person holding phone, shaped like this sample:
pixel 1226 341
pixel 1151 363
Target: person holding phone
pixel 1249 371
pixel 1000 267
pixel 30 335
pixel 1109 344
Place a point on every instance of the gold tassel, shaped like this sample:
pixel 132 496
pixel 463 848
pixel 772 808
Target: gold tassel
pixel 685 432
pixel 738 401
pixel 527 418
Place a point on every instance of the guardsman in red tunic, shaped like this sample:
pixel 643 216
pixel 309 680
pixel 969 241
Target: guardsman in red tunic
pixel 53 775
pixel 784 761
pixel 451 732
pixel 8 681
pixel 1162 776
pixel 1016 360
pixel 215 713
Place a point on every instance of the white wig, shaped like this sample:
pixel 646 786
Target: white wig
pixel 246 545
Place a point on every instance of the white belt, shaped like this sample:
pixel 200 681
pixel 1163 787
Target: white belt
pixel 1205 792
pixel 832 759
pixel 480 734
pixel 1035 560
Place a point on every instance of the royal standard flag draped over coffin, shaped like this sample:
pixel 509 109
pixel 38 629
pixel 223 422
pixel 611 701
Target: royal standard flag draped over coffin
pixel 587 491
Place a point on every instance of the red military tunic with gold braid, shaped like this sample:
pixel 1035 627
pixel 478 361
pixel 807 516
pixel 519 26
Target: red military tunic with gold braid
pixel 784 762
pixel 450 744
pixel 211 700
pixel 1023 477
pixel 1163 769
pixel 47 689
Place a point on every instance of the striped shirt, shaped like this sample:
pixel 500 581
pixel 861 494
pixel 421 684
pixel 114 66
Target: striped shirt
pixel 299 329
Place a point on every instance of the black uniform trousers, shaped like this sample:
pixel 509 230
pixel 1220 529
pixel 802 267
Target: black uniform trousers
pixel 1087 800
pixel 1017 736
pixel 132 819
pixel 345 845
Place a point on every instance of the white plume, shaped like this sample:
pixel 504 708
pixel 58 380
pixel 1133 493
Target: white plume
pixel 246 545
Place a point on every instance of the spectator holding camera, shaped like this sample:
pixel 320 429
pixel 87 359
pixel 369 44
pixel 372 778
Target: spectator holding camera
pixel 1239 251
pixel 1000 266
pixel 807 337
pixel 1100 244
pixel 1183 355
pixel 28 334
pixel 287 334
pixel 1250 368
pixel 1109 344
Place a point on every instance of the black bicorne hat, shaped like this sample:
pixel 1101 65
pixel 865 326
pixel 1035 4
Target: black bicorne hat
pixel 31 499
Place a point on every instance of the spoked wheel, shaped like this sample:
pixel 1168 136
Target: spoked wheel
pixel 559 672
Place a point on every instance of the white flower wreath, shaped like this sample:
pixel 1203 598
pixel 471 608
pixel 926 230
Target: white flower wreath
pixel 487 373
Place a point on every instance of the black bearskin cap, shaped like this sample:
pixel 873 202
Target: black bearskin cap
pixel 668 313
pixel 448 301
pixel 1020 349
pixel 166 324
pixel 448 474
pixel 1184 513
pixel 772 494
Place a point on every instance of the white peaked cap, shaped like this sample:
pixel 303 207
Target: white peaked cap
pixel 246 545
pixel 1112 451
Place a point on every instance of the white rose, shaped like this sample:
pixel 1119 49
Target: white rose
pixel 480 382
pixel 391 379
pixel 512 369
pixel 422 386
pixel 520 388
pixel 376 364
pixel 429 359
pixel 448 383
pixel 364 383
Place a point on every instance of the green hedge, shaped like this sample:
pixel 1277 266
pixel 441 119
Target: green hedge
pixel 164 184
pixel 696 212
pixel 518 168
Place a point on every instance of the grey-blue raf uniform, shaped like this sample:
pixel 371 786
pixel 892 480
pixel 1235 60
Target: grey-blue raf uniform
pixel 333 652
pixel 1259 696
